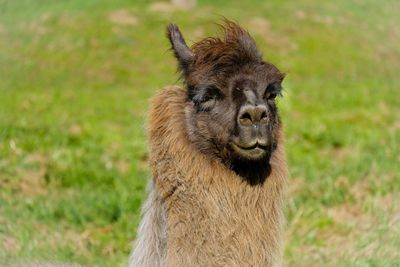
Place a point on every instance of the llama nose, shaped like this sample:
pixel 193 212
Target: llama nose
pixel 253 115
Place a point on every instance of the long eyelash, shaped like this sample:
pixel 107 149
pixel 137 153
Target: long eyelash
pixel 200 96
pixel 273 88
pixel 214 92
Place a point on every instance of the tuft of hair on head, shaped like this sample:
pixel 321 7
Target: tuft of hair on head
pixel 181 51
pixel 235 47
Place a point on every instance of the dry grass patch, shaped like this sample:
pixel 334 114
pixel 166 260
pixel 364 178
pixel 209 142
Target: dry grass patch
pixel 122 17
pixel 162 7
pixel 262 28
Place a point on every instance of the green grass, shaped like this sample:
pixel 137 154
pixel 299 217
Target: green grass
pixel 75 79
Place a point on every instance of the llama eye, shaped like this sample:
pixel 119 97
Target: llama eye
pixel 271 96
pixel 213 92
pixel 205 98
pixel 273 90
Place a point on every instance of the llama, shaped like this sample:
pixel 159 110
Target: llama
pixel 217 159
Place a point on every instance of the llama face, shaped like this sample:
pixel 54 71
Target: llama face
pixel 238 112
pixel 231 111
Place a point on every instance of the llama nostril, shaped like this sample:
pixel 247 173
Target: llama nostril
pixel 245 119
pixel 263 114
pixel 264 117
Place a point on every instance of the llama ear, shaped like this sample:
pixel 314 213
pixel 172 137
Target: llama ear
pixel 182 52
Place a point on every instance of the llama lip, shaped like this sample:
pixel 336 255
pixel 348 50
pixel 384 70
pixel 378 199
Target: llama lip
pixel 251 147
pixel 254 151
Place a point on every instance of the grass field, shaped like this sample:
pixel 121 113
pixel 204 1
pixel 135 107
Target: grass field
pixel 75 79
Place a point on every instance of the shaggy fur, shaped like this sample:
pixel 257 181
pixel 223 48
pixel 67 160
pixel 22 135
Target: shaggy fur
pixel 150 246
pixel 216 152
pixel 201 213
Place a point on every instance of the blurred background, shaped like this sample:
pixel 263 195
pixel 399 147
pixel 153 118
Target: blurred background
pixel 75 79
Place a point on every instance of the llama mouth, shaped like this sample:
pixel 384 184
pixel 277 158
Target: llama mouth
pixel 254 151
pixel 256 145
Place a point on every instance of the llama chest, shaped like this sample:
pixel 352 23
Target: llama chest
pixel 217 224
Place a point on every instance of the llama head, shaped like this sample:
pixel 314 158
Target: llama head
pixel 231 114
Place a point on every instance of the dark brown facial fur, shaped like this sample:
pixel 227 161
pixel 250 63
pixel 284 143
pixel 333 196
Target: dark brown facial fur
pixel 231 114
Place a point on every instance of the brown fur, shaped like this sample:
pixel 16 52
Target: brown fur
pixel 216 152
pixel 235 46
pixel 214 218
